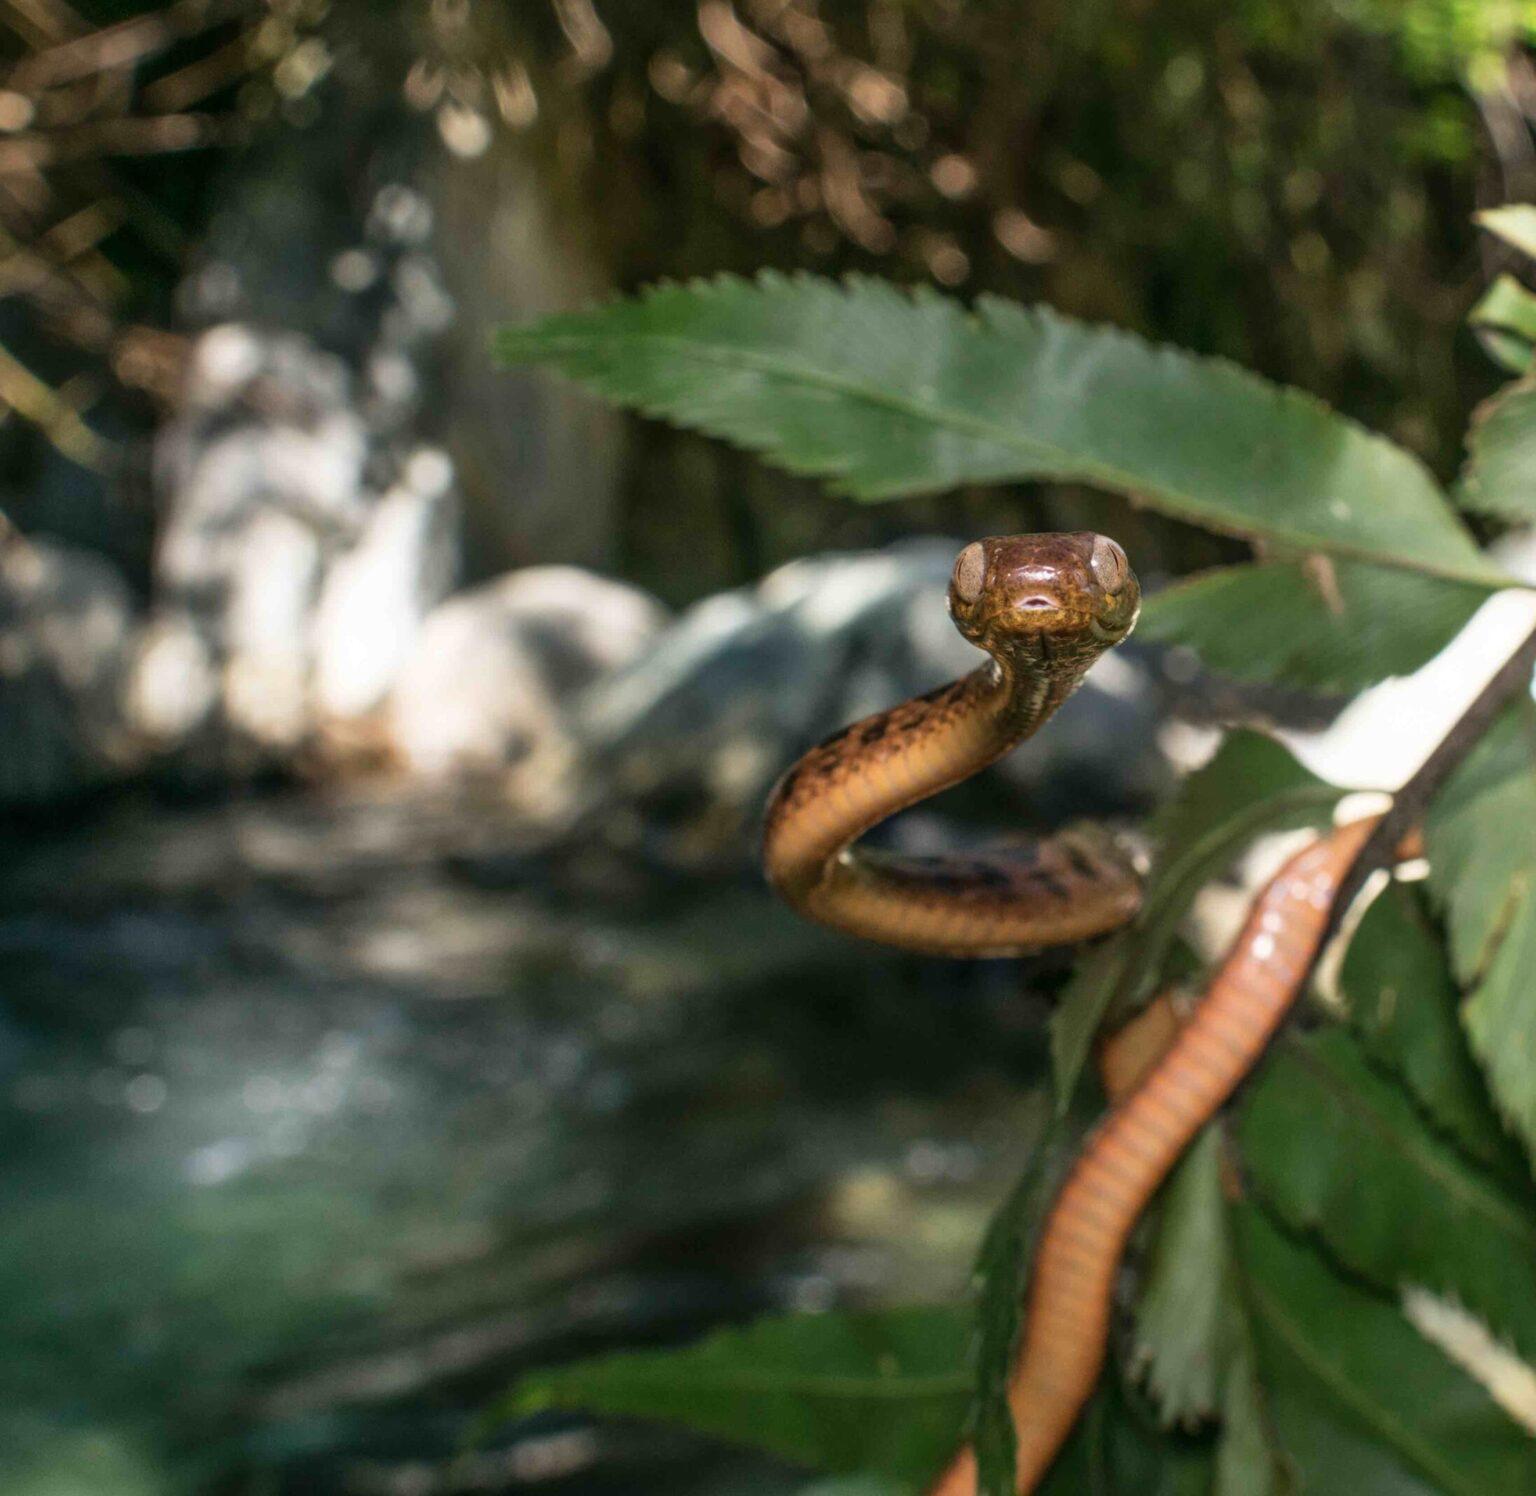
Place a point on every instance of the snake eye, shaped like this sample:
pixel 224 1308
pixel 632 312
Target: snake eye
pixel 1109 565
pixel 970 572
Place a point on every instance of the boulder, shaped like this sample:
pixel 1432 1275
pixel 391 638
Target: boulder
pixel 689 738
pixel 489 686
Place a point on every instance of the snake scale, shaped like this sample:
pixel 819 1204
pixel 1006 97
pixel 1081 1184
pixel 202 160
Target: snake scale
pixel 1043 608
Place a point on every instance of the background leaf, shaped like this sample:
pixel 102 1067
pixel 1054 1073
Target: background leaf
pixel 886 393
pixel 1499 478
pixel 1505 321
pixel 1251 786
pixel 1514 223
pixel 881 1393
pixel 1337 1151
pixel 1341 630
pixel 1362 1405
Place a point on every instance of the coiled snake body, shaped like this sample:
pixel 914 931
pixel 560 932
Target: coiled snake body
pixel 1044 607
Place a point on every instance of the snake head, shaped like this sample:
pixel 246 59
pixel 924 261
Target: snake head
pixel 1034 598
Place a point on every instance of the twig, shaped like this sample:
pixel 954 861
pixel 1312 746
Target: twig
pixel 1413 799
pixel 121 45
pixel 29 396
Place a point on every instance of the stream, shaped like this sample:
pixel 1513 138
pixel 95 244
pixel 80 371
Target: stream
pixel 323 1118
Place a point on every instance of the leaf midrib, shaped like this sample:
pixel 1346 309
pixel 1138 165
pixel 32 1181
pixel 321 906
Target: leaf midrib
pixel 945 415
pixel 1393 1432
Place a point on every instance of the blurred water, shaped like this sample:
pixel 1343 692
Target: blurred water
pixel 311 1138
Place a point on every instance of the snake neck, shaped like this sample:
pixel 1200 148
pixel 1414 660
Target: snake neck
pixel 892 760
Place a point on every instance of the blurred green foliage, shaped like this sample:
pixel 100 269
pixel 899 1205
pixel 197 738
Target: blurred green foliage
pixel 1284 182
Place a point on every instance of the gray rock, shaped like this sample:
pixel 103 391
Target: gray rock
pixel 66 621
pixel 288 588
pixel 488 687
pixel 745 682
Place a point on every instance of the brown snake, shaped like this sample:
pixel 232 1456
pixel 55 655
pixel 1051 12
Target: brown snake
pixel 1044 607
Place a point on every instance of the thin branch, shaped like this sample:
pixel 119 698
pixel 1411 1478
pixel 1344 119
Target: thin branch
pixel 29 396
pixel 122 45
pixel 1413 799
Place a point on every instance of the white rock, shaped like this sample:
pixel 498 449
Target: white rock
pixel 171 687
pixel 487 688
pixel 376 597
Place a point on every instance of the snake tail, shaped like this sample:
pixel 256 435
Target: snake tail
pixel 1131 1152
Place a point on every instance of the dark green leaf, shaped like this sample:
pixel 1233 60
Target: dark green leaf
pixel 854 1485
pixel 1362 1405
pixel 881 1394
pixel 1116 1449
pixel 1403 1004
pixel 1505 320
pixel 1481 836
pixel 1500 1020
pixel 1499 478
pixel 1508 305
pixel 1251 786
pixel 1509 351
pixel 1335 627
pixel 1514 223
pixel 1337 1150
pixel 1192 1331
pixel 1481 833
pixel 885 393
pixel 1248 1461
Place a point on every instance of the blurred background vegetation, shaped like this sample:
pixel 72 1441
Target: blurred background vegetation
pixel 1287 183
pixel 337 1090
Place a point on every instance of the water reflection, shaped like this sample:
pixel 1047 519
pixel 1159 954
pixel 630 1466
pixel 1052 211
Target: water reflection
pixel 312 1140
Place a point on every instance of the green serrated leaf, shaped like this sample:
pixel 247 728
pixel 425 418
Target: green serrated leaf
pixel 1514 223
pixel 1481 836
pixel 880 1394
pixel 1248 1462
pixel 1499 478
pixel 1500 1020
pixel 1336 1150
pixel 1192 1327
pixel 884 393
pixel 1251 786
pixel 1402 1003
pixel 1361 1404
pixel 1184 1289
pixel 1117 1449
pixel 1281 621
